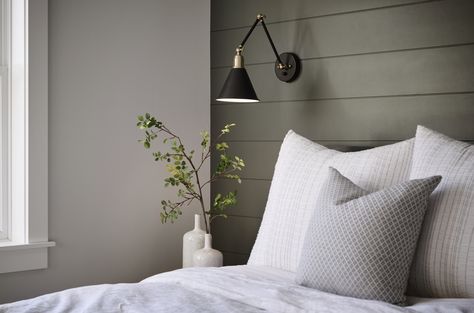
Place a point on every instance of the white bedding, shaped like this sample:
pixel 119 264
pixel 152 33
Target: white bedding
pixel 226 289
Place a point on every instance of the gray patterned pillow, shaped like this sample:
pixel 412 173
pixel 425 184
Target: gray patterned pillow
pixel 361 244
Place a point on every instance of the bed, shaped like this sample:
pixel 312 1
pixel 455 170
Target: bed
pixel 433 257
pixel 227 289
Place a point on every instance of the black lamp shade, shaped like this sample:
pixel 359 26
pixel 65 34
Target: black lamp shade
pixel 238 87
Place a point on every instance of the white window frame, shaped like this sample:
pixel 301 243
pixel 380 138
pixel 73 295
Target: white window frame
pixel 26 29
pixel 4 211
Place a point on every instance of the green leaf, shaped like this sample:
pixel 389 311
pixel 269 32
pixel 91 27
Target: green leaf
pixel 222 146
pixel 226 129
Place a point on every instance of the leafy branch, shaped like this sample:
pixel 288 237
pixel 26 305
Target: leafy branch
pixel 184 169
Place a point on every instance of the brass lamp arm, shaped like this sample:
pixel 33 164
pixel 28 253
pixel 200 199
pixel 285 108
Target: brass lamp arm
pixel 260 18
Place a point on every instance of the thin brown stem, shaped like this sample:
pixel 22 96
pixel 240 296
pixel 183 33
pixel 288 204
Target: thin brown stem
pixel 174 206
pixel 216 177
pixel 215 216
pixel 208 155
pixel 199 196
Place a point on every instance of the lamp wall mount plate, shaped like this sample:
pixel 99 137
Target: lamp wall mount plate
pixel 292 67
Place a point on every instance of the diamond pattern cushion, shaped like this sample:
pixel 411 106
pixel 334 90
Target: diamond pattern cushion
pixel 361 244
pixel 300 171
pixel 444 262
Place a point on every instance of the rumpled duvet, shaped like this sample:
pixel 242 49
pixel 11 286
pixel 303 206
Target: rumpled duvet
pixel 227 289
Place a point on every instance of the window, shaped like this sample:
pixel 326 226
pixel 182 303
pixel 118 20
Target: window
pixel 23 135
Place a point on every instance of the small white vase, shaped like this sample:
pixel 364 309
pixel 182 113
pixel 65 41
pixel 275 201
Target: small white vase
pixel 192 241
pixel 207 257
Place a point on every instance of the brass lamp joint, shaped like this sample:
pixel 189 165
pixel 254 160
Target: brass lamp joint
pixel 238 58
pixel 260 16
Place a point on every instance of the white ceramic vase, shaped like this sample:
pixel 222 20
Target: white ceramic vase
pixel 207 257
pixel 192 241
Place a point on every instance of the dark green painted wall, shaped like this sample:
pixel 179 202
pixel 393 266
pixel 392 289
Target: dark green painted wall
pixel 372 71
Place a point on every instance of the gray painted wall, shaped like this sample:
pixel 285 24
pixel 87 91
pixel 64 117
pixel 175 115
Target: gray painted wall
pixel 110 60
pixel 371 71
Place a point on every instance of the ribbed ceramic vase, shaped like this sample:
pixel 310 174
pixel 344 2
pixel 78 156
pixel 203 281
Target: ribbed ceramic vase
pixel 193 241
pixel 207 257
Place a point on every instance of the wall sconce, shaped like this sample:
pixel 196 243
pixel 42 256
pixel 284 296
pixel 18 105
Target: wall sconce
pixel 238 87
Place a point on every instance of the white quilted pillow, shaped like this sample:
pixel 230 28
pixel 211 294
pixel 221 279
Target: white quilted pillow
pixel 301 169
pixel 444 263
pixel 376 168
pixel 299 172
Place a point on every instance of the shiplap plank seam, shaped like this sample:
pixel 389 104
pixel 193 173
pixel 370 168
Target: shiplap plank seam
pixel 234 252
pixel 259 179
pixel 352 98
pixel 353 54
pixel 244 216
pixel 345 122
pixel 388 141
pixel 329 14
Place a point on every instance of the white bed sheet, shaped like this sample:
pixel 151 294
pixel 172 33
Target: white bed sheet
pixel 414 304
pixel 227 289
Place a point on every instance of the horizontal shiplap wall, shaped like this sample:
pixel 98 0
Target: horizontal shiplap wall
pixel 371 72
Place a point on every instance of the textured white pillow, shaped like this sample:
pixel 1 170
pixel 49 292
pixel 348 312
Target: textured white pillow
pixel 444 263
pixel 376 168
pixel 301 169
pixel 299 172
